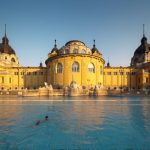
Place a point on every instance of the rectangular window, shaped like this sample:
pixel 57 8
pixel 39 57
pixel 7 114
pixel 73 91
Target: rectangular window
pixel 41 73
pixel 22 73
pixel 115 73
pixel 2 79
pixel 121 73
pixel 34 73
pixel 9 80
pixel 127 73
pixel 15 73
pixel 146 80
pixel 28 73
pixel 133 73
pixel 108 73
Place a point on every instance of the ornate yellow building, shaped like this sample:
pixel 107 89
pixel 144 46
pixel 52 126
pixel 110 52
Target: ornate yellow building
pixel 75 62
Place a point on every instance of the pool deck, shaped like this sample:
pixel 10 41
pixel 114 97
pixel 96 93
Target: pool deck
pixel 61 92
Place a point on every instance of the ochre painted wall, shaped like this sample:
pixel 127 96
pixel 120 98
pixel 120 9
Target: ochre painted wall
pixel 22 77
pixel 83 77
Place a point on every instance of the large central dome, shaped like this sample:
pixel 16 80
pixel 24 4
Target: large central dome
pixel 75 47
pixel 74 42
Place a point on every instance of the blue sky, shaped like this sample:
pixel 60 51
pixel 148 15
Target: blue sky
pixel 116 25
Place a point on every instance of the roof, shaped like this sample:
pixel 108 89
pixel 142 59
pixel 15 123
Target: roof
pixel 94 49
pixel 143 47
pixel 74 41
pixel 5 47
pixel 54 49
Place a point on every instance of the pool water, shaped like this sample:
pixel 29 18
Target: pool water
pixel 78 123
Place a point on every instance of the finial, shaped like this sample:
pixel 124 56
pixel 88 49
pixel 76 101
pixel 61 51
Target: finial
pixel 5 30
pixel 94 43
pixel 41 65
pixel 108 64
pixel 41 62
pixel 55 44
pixel 143 30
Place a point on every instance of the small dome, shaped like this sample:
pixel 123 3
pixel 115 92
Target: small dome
pixel 55 49
pixel 94 49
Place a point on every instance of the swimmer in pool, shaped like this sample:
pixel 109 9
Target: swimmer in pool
pixel 41 121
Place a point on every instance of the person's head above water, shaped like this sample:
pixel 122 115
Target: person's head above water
pixel 46 117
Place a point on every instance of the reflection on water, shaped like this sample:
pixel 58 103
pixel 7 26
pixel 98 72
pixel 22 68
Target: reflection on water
pixel 75 123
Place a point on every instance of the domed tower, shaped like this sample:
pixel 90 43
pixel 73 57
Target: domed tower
pixel 75 62
pixel 55 49
pixel 8 56
pixel 142 53
pixel 94 49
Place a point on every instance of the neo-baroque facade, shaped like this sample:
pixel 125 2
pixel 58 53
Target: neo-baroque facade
pixel 75 62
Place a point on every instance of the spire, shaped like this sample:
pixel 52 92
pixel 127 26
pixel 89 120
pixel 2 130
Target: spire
pixel 55 49
pixel 5 30
pixel 55 44
pixel 143 30
pixel 94 44
pixel 41 65
pixel 5 39
pixel 144 39
pixel 108 64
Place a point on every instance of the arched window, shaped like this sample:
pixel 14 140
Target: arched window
pixel 59 68
pixel 75 67
pixel 83 51
pixel 101 70
pixel 66 51
pixel 75 51
pixel 91 68
pixel 13 60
